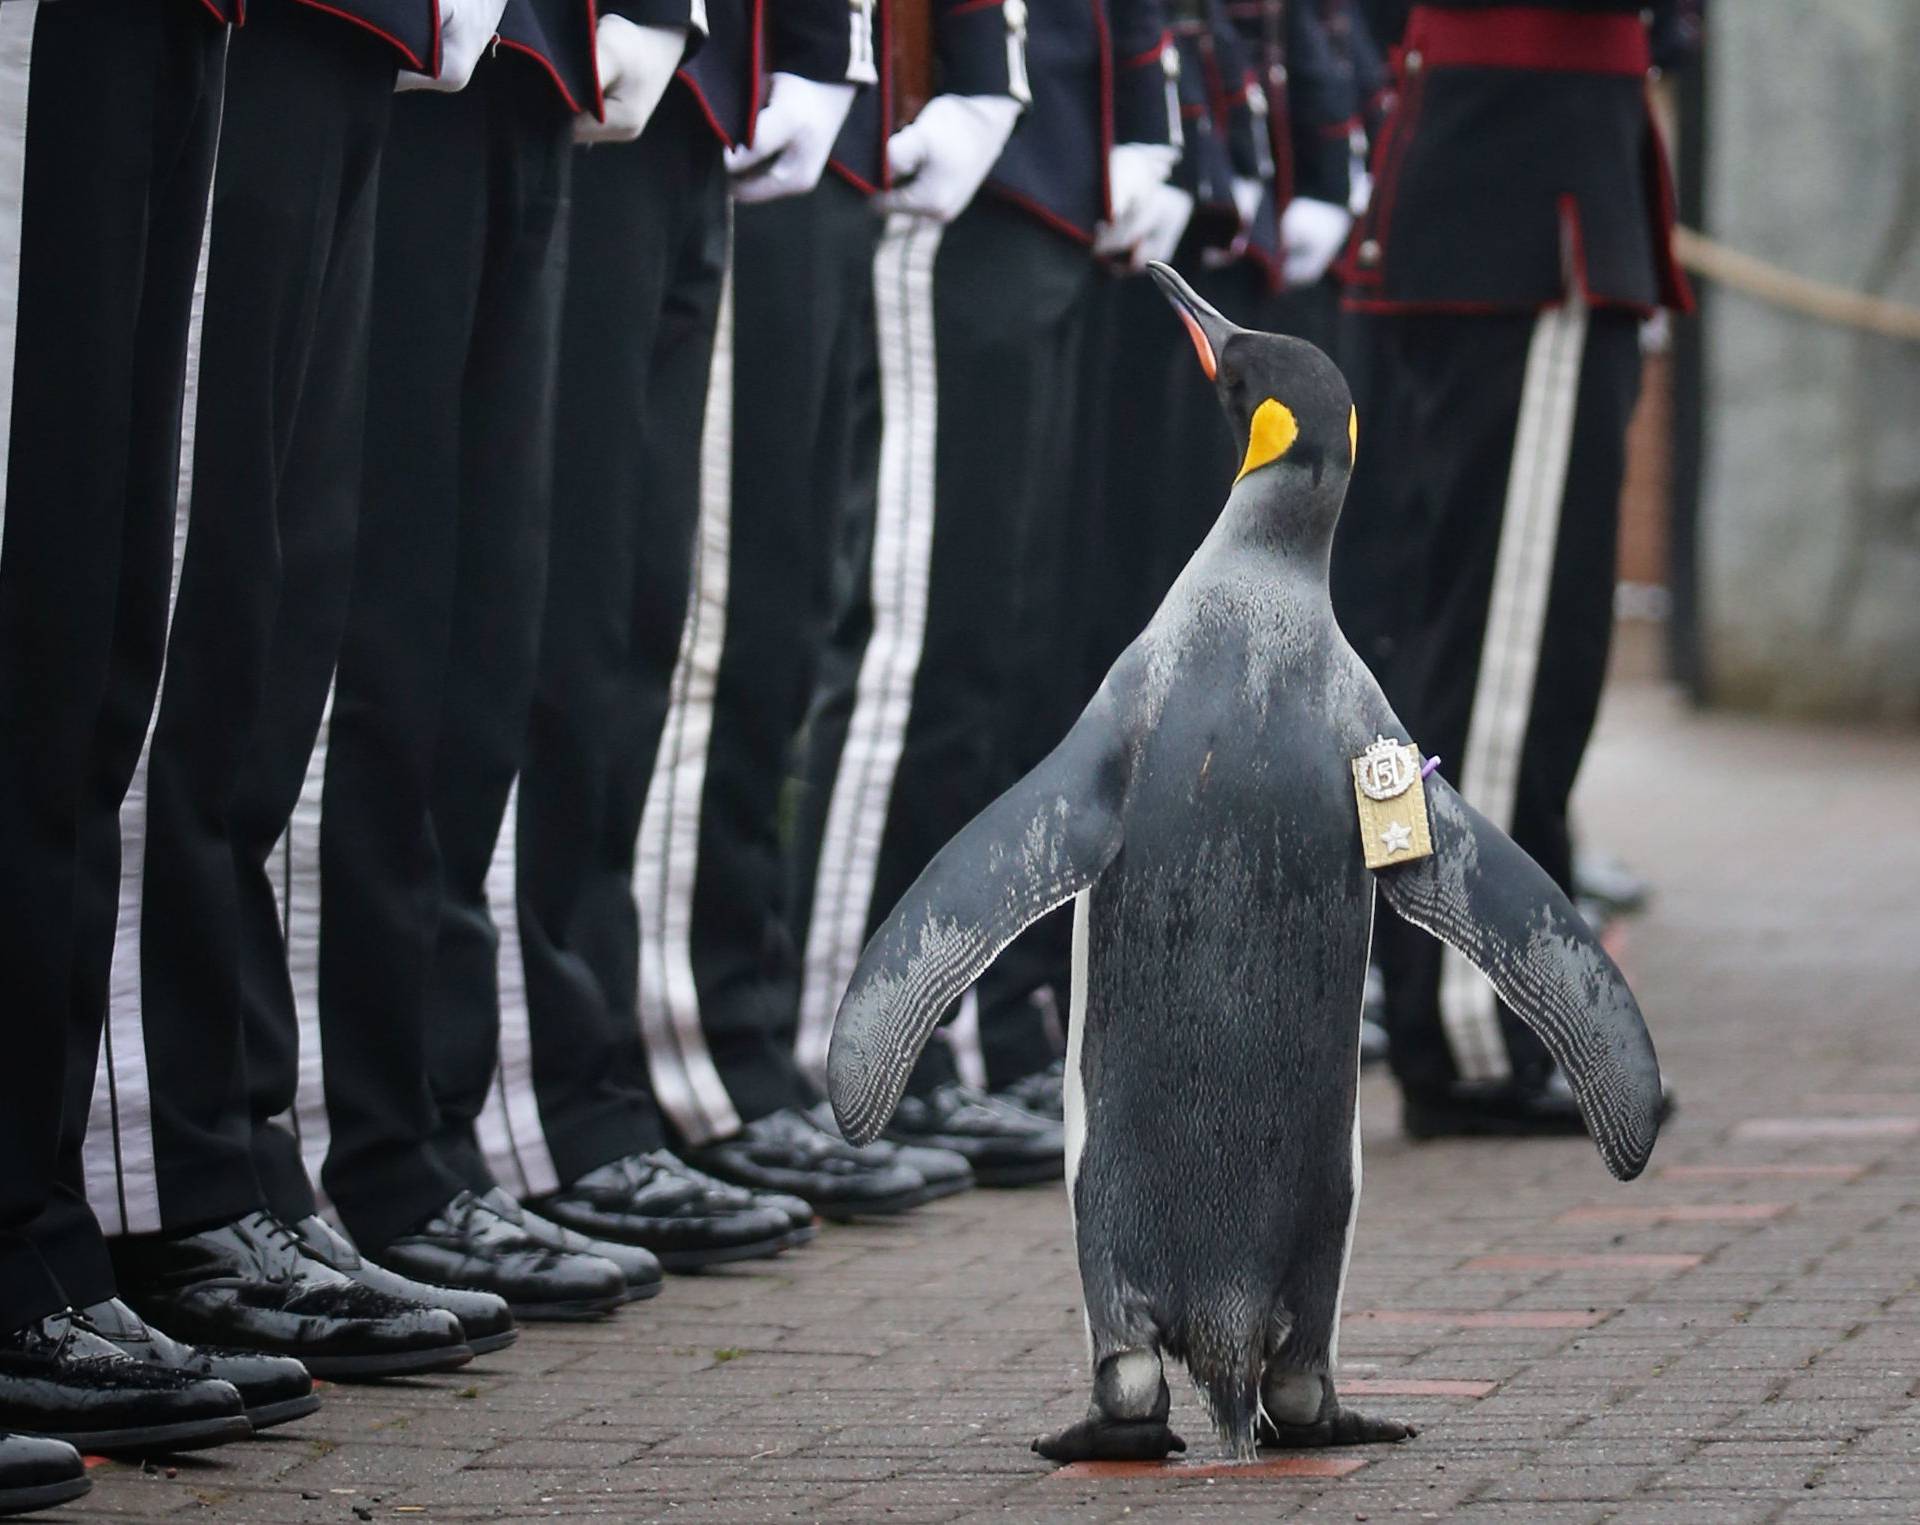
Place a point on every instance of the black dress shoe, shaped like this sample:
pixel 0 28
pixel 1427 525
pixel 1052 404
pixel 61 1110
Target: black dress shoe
pixel 60 1380
pixel 273 1388
pixel 945 1172
pixel 1005 1145
pixel 37 1474
pixel 1502 1109
pixel 785 1152
pixel 640 1268
pixel 469 1243
pixel 485 1320
pixel 246 1285
pixel 632 1200
pixel 718 1196
pixel 1043 1093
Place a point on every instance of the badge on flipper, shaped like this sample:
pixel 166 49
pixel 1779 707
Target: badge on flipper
pixel 1392 801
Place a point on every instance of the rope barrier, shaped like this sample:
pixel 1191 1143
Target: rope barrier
pixel 1796 293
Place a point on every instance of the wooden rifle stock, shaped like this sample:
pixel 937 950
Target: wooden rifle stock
pixel 910 50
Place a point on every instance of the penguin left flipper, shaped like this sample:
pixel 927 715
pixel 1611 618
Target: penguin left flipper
pixel 1036 847
pixel 1480 893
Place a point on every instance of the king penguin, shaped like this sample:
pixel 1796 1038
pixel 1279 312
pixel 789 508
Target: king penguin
pixel 1204 815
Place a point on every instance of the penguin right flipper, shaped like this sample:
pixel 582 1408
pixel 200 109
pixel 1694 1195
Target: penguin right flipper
pixel 1480 893
pixel 1036 847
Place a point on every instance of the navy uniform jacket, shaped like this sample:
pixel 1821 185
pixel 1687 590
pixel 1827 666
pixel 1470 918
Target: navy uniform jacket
pixel 558 35
pixel 973 43
pixel 412 26
pixel 1519 155
pixel 1099 75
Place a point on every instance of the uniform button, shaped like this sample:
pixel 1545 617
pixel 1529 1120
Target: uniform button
pixel 1370 251
pixel 1414 61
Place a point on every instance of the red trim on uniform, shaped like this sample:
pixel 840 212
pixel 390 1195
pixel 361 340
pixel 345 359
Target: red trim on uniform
pixel 216 12
pixel 1150 56
pixel 700 100
pixel 593 61
pixel 1190 111
pixel 1104 41
pixel 1675 290
pixel 883 66
pixel 1528 37
pixel 1052 219
pixel 434 7
pixel 405 52
pixel 754 78
pixel 547 64
pixel 972 5
pixel 858 182
pixel 1340 129
pixel 1387 156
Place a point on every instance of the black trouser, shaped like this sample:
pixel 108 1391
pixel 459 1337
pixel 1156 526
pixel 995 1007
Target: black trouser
pixel 713 916
pixel 643 296
pixel 1508 644
pixel 436 670
pixel 261 602
pixel 124 104
pixel 979 336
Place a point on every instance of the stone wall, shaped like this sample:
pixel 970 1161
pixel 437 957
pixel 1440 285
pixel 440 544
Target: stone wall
pixel 1810 520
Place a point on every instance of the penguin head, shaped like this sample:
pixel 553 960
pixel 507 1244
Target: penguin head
pixel 1288 404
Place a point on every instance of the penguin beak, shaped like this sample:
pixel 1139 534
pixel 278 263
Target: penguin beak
pixel 1208 330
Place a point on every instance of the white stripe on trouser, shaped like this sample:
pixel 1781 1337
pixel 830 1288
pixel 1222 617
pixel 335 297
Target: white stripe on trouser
pixel 900 572
pixel 294 868
pixel 666 853
pixel 118 1158
pixel 16 45
pixel 1488 775
pixel 509 1125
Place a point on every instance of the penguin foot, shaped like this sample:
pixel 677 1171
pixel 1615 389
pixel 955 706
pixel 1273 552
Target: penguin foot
pixel 1099 1439
pixel 1342 1427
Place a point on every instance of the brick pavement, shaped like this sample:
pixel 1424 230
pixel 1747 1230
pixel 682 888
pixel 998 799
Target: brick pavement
pixel 1731 1341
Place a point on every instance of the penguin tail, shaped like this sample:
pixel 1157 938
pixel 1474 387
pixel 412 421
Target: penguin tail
pixel 1225 1363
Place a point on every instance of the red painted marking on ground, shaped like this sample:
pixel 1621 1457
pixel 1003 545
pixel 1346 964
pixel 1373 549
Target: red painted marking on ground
pixel 1582 1262
pixel 1516 1318
pixel 1412 1387
pixel 1762 1172
pixel 1829 1127
pixel 1181 1471
pixel 1679 1212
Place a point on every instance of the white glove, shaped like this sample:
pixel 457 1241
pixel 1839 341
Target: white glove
pixel 1248 193
pixel 636 66
pixel 1134 171
pixel 1311 233
pixel 466 27
pixel 1159 219
pixel 792 138
pixel 940 158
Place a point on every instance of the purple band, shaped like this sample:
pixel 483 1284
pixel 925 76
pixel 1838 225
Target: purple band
pixel 1432 763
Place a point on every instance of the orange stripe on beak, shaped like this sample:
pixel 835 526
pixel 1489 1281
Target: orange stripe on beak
pixel 1200 345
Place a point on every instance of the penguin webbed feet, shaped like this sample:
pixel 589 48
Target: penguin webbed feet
pixel 1336 1426
pixel 1098 1438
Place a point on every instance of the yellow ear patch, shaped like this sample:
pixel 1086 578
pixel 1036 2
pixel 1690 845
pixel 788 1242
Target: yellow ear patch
pixel 1353 435
pixel 1272 435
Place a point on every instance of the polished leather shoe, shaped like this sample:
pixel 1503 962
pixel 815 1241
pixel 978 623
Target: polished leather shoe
pixel 1043 1093
pixel 946 1173
pixel 718 1196
pixel 37 1473
pixel 1006 1145
pixel 470 1243
pixel 785 1152
pixel 246 1285
pixel 1502 1109
pixel 60 1380
pixel 485 1320
pixel 640 1268
pixel 273 1388
pixel 632 1200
